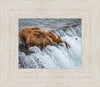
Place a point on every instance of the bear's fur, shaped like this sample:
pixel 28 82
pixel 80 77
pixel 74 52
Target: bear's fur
pixel 35 28
pixel 23 34
pixel 37 39
pixel 34 38
pixel 55 38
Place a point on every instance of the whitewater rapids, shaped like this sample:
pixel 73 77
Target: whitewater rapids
pixel 56 56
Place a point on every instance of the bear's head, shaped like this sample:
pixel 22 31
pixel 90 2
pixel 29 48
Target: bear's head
pixel 55 38
pixel 59 40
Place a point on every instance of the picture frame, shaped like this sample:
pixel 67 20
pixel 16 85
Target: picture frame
pixel 12 76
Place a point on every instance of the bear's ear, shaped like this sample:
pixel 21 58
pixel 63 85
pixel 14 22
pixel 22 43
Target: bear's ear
pixel 37 28
pixel 32 28
pixel 50 33
pixel 56 37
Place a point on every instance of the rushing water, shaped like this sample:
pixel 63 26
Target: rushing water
pixel 54 56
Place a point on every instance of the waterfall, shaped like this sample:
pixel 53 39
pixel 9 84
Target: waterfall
pixel 56 56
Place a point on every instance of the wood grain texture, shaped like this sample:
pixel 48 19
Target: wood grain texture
pixel 12 10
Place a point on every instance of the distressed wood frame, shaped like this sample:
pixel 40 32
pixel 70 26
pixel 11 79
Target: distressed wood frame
pixel 87 76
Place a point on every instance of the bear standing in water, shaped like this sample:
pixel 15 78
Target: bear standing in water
pixel 34 38
pixel 55 38
pixel 38 37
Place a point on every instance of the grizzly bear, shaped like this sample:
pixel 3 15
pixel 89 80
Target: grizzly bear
pixel 38 39
pixel 34 38
pixel 23 34
pixel 55 38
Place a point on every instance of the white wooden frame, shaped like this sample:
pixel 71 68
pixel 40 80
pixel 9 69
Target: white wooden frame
pixel 12 10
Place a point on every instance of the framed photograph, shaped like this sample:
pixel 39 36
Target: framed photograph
pixel 50 43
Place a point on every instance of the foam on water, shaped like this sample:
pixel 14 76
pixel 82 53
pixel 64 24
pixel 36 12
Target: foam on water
pixel 55 56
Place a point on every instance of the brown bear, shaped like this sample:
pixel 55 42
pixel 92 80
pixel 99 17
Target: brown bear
pixel 55 38
pixel 38 39
pixel 35 38
pixel 23 34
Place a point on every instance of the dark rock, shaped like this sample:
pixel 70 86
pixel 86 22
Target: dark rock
pixel 24 48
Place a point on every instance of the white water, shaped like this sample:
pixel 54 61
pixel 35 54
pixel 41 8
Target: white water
pixel 56 56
